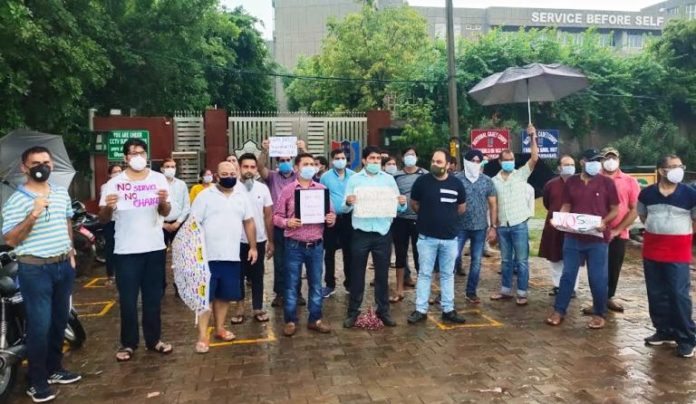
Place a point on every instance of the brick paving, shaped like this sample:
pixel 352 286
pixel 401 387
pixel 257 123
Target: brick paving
pixel 504 353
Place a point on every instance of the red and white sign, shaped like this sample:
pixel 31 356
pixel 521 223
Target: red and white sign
pixel 490 141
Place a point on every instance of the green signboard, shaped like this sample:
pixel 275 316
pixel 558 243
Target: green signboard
pixel 117 138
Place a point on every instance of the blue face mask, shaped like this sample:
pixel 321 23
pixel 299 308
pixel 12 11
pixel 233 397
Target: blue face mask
pixel 410 160
pixel 308 172
pixel 567 171
pixel 339 164
pixel 373 168
pixel 592 168
pixel 285 167
pixel 507 166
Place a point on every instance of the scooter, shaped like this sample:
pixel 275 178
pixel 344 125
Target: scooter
pixel 88 239
pixel 13 325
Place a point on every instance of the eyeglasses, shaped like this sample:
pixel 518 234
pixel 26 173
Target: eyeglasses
pixel 142 154
pixel 682 166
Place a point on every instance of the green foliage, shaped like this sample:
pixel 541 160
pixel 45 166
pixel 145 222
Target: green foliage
pixel 654 141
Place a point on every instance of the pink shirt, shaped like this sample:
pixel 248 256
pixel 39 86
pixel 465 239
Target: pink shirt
pixel 284 209
pixel 628 189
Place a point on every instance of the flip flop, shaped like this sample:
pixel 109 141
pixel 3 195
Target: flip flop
pixel 124 354
pixel 236 320
pixel 261 317
pixel 202 347
pixel 162 348
pixel 554 320
pixel 596 323
pixel 396 299
pixel 521 301
pixel 226 336
pixel 501 296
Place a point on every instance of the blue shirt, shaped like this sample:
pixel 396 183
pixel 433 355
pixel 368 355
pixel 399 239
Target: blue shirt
pixel 49 236
pixel 477 194
pixel 337 187
pixel 379 225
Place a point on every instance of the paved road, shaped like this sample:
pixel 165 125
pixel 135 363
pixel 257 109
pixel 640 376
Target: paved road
pixel 503 354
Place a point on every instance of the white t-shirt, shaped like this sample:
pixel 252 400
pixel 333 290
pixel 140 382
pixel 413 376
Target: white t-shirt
pixel 137 230
pixel 260 197
pixel 221 218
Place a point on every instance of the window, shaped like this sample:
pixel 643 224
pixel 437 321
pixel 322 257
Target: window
pixel 673 11
pixel 635 41
pixel 691 11
pixel 571 38
pixel 606 40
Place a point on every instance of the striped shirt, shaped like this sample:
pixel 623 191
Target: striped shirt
pixel 668 224
pixel 49 236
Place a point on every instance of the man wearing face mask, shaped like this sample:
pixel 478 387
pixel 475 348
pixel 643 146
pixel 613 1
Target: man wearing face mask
pixel 36 222
pixel 551 246
pixel 481 209
pixel 140 250
pixel 335 180
pixel 513 214
pixel 370 236
pixel 668 210
pixel 303 245
pixel 439 199
pixel 594 194
pixel 321 164
pixel 389 166
pixel 628 189
pixel 405 230
pixel 276 181
pixel 181 206
pixel 262 206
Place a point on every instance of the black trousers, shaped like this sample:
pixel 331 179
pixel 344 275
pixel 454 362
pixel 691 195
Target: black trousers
pixel 617 252
pixel 365 243
pixel 338 237
pixel 254 272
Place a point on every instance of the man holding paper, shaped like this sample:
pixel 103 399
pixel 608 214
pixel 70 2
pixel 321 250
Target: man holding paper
pixel 594 195
pixel 138 201
pixel 373 197
pixel 301 212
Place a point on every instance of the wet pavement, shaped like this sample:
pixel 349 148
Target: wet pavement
pixel 503 353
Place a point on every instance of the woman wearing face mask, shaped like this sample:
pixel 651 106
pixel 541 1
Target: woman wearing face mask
pixel 204 182
pixel 389 165
pixel 114 170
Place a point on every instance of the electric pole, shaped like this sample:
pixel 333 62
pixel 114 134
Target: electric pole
pixel 455 142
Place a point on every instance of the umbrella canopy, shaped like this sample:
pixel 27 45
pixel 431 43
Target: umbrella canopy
pixel 12 146
pixel 534 82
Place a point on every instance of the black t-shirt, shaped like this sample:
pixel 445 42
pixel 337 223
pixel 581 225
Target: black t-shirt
pixel 437 216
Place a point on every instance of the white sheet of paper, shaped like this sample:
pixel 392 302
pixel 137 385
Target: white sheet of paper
pixel 578 223
pixel 136 196
pixel 375 202
pixel 312 206
pixel 282 146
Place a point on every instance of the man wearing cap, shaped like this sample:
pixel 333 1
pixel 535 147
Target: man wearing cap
pixel 589 193
pixel 481 204
pixel 628 189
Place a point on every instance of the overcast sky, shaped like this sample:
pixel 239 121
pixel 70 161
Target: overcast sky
pixel 263 9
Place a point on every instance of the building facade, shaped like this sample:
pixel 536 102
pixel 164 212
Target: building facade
pixel 300 25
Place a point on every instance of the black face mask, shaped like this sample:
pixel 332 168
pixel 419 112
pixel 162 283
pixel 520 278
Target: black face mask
pixel 40 173
pixel 228 182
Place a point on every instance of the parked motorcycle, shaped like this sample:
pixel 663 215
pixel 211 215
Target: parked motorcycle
pixel 13 325
pixel 88 239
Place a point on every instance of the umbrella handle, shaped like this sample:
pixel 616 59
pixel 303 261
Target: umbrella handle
pixel 529 103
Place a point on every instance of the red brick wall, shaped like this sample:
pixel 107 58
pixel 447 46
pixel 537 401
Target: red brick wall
pixel 376 120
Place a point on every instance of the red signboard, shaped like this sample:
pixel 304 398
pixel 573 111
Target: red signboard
pixel 490 141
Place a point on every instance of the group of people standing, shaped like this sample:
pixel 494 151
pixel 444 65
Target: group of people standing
pixel 250 213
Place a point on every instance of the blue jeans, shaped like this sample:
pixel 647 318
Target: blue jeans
pixel 669 301
pixel 312 257
pixel 430 248
pixel 478 242
pixel 514 251
pixel 574 251
pixel 46 290
pixel 140 274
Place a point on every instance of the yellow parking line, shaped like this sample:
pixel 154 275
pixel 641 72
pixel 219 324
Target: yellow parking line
pixel 269 338
pixel 107 306
pixel 491 322
pixel 94 281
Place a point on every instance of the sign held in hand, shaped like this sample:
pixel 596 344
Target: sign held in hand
pixel 282 146
pixel 578 223
pixel 135 196
pixel 311 205
pixel 375 202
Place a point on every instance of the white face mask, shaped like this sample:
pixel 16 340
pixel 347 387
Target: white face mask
pixel 137 163
pixel 675 175
pixel 610 165
pixel 207 179
pixel 472 170
pixel 169 172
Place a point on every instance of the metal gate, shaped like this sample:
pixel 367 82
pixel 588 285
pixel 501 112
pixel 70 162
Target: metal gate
pixel 189 145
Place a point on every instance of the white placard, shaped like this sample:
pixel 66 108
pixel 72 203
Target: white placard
pixel 136 196
pixel 312 206
pixel 578 223
pixel 282 146
pixel 375 202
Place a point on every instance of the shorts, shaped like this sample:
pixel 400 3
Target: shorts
pixel 226 281
pixel 404 231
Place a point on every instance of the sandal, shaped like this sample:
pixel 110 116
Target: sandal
pixel 596 323
pixel 202 347
pixel 396 298
pixel 225 336
pixel 555 319
pixel 501 296
pixel 521 301
pixel 124 354
pixel 236 320
pixel 261 316
pixel 162 348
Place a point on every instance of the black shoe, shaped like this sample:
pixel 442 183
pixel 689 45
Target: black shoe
pixel 453 317
pixel 301 301
pixel 686 350
pixel 277 301
pixel 387 320
pixel 554 291
pixel 461 272
pixel 416 317
pixel 349 322
pixel 658 339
